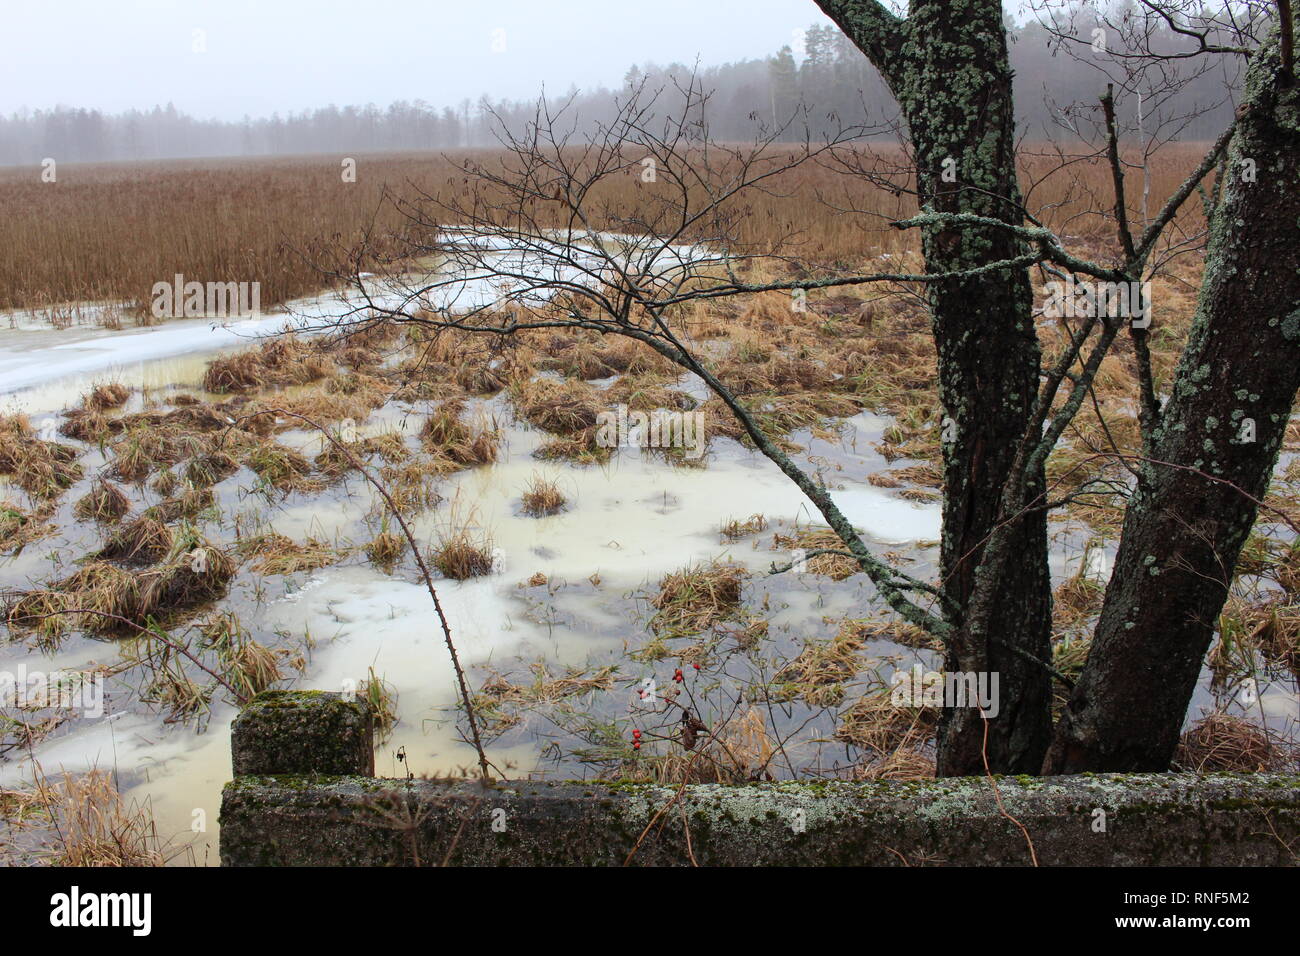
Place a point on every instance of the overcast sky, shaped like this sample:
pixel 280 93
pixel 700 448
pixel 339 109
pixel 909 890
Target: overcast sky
pixel 263 56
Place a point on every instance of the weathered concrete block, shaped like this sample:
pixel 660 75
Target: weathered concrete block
pixel 302 732
pixel 1145 820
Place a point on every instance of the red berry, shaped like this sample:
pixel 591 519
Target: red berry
pixel 636 746
pixel 696 666
pixel 636 734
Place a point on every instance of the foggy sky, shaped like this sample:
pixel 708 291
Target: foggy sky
pixel 264 56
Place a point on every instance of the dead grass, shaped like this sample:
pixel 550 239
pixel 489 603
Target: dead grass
pixel 284 360
pixel 820 671
pixel 562 408
pixel 387 548
pixel 735 529
pixel 102 397
pixel 697 597
pixel 542 497
pixel 460 555
pixel 43 469
pixel 283 468
pixel 19 527
pixel 103 598
pixel 143 540
pixel 105 502
pixel 447 436
pixel 875 724
pixel 1221 742
pixel 95 827
pixel 835 566
pixel 273 553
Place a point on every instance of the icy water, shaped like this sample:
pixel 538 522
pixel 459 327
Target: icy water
pixel 625 526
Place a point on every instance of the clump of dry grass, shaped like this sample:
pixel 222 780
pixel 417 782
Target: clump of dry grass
pixel 411 485
pixel 1270 627
pixel 282 468
pixel 877 725
pixel 95 827
pixel 277 554
pixel 580 448
pixel 899 632
pixel 820 671
pixel 143 540
pixel 1221 742
pixel 103 598
pixel 210 469
pixel 334 461
pixel 246 665
pixel 446 436
pixel 502 703
pixel 190 503
pixel 542 497
pixel 459 555
pixel 102 397
pixel 104 502
pixel 18 527
pixel 43 469
pixel 696 598
pixel 735 529
pixel 835 566
pixel 381 696
pixel 561 408
pixel 144 447
pixel 387 547
pixel 284 360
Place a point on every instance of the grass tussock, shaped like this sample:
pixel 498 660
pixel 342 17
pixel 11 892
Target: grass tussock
pixel 104 502
pixel 542 497
pixel 820 671
pixel 386 548
pixel 879 727
pixel 835 566
pixel 502 703
pixel 561 408
pixel 447 436
pixel 95 827
pixel 735 529
pixel 697 597
pixel 412 485
pixel 284 360
pixel 336 460
pixel 141 541
pixel 1221 742
pixel 103 397
pixel 283 468
pixel 459 555
pixel 274 553
pixel 43 469
pixel 19 527
pixel 381 696
pixel 103 598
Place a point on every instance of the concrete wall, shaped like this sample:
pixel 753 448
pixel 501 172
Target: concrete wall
pixel 300 815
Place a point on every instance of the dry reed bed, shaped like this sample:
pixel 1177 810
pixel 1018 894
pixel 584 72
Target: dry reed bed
pixel 110 231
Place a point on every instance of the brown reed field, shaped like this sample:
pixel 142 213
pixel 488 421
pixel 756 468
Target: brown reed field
pixel 108 232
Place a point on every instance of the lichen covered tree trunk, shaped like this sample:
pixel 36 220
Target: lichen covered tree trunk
pixel 1213 451
pixel 947 66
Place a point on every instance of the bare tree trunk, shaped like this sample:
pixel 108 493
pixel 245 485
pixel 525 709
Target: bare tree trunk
pixel 947 65
pixel 1213 451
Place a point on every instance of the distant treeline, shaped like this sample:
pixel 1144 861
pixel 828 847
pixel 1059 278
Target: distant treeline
pixel 832 86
